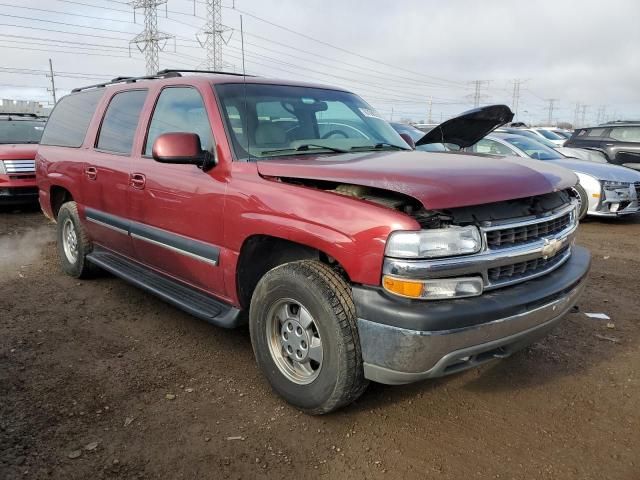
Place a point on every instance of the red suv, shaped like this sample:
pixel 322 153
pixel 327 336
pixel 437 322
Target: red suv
pixel 19 136
pixel 355 257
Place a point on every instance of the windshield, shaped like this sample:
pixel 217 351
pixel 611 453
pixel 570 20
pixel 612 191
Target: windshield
pixel 275 120
pixel 20 131
pixel 548 134
pixel 533 148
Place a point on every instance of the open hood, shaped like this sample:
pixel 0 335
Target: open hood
pixel 470 127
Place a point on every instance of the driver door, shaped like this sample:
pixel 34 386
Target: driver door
pixel 177 210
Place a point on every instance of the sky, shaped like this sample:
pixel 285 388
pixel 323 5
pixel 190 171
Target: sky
pixel 405 58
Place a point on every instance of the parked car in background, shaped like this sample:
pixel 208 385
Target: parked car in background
pixel 603 190
pixel 563 133
pixel 19 137
pixel 579 153
pixel 415 134
pixel 548 134
pixel 355 259
pixel 619 142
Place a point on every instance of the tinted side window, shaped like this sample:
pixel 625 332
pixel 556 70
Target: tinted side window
pixel 180 109
pixel 626 134
pixel 120 122
pixel 69 121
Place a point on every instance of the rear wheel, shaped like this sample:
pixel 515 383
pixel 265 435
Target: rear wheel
pixel 305 338
pixel 583 200
pixel 73 243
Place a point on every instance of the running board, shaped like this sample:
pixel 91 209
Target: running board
pixel 176 293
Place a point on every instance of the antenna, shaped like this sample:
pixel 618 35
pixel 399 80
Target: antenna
pixel 244 82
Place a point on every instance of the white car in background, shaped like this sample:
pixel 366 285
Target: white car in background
pixel 579 153
pixel 603 190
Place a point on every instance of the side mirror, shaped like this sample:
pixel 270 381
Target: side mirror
pixel 407 138
pixel 182 148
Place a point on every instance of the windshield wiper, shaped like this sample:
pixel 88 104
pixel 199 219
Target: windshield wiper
pixel 379 146
pixel 305 148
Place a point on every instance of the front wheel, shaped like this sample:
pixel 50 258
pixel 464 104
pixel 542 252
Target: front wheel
pixel 304 335
pixel 583 200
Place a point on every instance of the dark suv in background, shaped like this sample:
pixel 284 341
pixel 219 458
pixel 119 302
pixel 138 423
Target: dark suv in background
pixel 619 142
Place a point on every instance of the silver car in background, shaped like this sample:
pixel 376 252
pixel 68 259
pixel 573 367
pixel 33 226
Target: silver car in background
pixel 603 190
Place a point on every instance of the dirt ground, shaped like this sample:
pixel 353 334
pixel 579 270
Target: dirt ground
pixel 133 388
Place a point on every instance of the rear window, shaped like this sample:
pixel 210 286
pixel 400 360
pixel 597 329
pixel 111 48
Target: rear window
pixel 69 121
pixel 120 122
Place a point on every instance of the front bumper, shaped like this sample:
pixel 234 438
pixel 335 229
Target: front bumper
pixel 405 340
pixel 15 189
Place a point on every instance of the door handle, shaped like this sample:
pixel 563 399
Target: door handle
pixel 91 173
pixel 137 180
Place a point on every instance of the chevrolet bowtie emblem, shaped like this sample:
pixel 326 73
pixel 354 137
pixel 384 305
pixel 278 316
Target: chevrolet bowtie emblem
pixel 551 247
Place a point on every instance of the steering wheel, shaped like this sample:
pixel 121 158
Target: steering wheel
pixel 334 132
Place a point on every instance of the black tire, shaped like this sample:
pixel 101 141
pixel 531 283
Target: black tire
pixel 580 193
pixel 80 267
pixel 327 297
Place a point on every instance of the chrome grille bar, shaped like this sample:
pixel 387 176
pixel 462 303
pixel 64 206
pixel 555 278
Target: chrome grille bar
pixel 20 166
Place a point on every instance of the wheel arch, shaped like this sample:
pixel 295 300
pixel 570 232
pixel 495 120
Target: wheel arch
pixel 261 252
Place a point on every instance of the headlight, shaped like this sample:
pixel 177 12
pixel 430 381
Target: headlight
pixel 607 185
pixel 439 242
pixel 616 191
pixel 3 170
pixel 435 289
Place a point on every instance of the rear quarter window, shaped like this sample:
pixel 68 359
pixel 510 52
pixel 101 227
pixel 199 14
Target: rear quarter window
pixel 626 134
pixel 69 121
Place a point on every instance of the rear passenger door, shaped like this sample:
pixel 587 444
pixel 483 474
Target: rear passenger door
pixel 106 175
pixel 177 210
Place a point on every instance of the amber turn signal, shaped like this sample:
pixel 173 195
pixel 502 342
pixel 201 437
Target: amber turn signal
pixel 405 288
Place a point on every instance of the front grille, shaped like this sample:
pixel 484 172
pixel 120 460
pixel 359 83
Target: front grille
pixel 20 166
pixel 637 185
pixel 519 270
pixel 526 233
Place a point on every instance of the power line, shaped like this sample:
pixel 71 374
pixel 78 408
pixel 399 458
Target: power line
pixel 377 61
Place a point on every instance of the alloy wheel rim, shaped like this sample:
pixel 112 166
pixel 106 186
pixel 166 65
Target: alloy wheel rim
pixel 70 241
pixel 294 341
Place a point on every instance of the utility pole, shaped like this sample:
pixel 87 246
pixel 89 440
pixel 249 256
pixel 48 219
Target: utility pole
pixel 53 82
pixel 550 108
pixel 477 95
pixel 584 114
pixel 214 33
pixel 515 100
pixel 430 120
pixel 600 116
pixel 576 115
pixel 150 41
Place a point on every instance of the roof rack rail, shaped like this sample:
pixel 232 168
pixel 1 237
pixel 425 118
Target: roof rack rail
pixel 20 114
pixel 116 80
pixel 167 73
pixel 216 72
